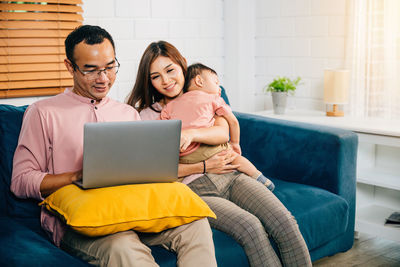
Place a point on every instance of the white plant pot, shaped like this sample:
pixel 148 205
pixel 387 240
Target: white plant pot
pixel 279 100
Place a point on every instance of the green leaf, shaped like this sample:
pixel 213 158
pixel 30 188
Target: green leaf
pixel 283 84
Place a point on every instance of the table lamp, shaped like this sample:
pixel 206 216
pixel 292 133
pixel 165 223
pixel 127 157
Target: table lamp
pixel 336 85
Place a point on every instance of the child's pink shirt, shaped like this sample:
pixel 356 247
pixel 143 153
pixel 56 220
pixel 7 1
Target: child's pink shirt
pixel 196 109
pixel 51 142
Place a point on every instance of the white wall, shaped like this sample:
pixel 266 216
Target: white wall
pixel 248 42
pixel 298 38
pixel 239 53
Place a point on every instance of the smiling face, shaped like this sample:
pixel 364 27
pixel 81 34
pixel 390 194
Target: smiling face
pixel 88 58
pixel 167 77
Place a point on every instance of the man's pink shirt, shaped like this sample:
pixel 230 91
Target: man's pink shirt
pixel 51 142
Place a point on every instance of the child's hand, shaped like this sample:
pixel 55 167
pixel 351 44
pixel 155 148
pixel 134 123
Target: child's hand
pixel 186 139
pixel 236 148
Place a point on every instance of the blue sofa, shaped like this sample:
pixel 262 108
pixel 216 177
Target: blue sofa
pixel 313 168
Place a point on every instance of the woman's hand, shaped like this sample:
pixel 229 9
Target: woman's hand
pixel 222 162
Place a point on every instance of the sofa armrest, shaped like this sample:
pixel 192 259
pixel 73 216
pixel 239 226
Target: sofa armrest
pixel 314 155
pixel 304 153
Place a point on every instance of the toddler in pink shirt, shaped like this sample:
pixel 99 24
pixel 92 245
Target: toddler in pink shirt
pixel 196 109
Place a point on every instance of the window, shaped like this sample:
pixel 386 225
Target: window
pixel 374 58
pixel 32 51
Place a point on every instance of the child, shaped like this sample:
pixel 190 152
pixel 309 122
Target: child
pixel 197 108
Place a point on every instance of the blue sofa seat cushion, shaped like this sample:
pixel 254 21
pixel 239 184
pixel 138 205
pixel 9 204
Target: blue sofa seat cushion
pixel 321 215
pixel 29 248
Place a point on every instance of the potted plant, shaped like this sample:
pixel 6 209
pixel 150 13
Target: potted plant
pixel 280 87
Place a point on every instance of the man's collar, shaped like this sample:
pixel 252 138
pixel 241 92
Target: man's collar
pixel 83 99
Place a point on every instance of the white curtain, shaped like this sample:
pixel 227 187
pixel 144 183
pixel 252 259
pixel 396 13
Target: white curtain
pixel 373 57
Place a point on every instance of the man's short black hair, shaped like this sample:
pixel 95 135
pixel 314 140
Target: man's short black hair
pixel 89 34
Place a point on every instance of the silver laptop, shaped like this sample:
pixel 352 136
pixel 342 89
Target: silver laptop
pixel 118 153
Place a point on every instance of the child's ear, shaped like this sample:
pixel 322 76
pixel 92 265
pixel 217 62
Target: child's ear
pixel 198 81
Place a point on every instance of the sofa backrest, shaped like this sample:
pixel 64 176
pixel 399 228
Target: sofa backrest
pixel 224 96
pixel 10 126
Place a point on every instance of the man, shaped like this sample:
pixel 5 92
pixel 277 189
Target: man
pixel 50 150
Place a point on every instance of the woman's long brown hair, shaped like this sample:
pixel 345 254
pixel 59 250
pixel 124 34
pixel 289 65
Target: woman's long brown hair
pixel 143 94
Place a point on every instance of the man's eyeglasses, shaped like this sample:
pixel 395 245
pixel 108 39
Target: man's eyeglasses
pixel 94 74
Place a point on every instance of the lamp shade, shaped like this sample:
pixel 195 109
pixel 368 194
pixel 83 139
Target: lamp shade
pixel 336 85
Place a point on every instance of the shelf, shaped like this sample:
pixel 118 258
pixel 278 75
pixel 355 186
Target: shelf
pixel 378 177
pixel 377 127
pixel 391 141
pixel 371 220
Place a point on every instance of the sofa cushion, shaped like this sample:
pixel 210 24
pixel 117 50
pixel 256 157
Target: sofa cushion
pixel 227 251
pixel 321 215
pixel 19 246
pixel 10 126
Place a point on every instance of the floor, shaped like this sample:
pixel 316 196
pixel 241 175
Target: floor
pixel 367 251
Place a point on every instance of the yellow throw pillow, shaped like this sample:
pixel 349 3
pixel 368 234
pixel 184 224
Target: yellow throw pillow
pixel 141 207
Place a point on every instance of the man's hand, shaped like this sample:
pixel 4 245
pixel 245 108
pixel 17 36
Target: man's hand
pixel 76 176
pixel 53 182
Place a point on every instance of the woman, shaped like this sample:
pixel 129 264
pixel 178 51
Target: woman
pixel 245 209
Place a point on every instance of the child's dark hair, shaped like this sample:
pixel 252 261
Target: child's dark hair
pixel 89 34
pixel 194 70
